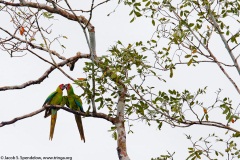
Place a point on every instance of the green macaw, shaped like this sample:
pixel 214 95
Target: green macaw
pixel 55 98
pixel 75 103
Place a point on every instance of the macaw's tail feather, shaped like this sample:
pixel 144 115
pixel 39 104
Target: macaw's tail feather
pixel 52 126
pixel 80 127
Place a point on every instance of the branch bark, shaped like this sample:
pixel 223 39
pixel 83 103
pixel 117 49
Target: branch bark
pixel 45 75
pixel 97 115
pixel 121 139
pixel 216 26
pixel 21 117
pixel 58 10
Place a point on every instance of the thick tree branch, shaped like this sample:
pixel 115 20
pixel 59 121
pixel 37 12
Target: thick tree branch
pixel 96 115
pixel 45 75
pixel 121 139
pixel 59 11
pixel 91 114
pixel 21 117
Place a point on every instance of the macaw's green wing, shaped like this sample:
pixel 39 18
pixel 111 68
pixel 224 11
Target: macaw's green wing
pixel 48 100
pixel 78 102
pixel 50 97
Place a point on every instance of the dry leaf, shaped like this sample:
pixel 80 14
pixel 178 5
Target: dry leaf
pixel 81 79
pixel 194 51
pixel 205 110
pixel 22 30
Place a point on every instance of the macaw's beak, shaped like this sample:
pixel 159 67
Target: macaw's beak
pixel 65 86
pixel 62 86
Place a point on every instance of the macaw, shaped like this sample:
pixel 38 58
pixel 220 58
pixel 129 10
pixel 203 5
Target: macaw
pixel 55 98
pixel 75 103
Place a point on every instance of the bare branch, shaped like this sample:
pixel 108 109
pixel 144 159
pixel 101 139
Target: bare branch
pixel 33 45
pixel 211 123
pixel 227 65
pixel 45 75
pixel 21 117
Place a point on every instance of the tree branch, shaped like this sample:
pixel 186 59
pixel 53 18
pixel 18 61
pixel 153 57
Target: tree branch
pixel 59 11
pixel 45 75
pixel 97 115
pixel 216 26
pixel 212 55
pixel 33 45
pixel 3 123
pixel 121 132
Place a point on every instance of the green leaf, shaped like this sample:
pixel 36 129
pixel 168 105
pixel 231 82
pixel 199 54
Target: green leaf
pixel 119 42
pixel 188 56
pixel 132 19
pixel 147 4
pixel 114 75
pixel 138 14
pixel 190 62
pixel 191 24
pixel 48 15
pixel 171 72
pixel 153 22
pixel 114 135
pixel 237 134
pixel 153 41
pixel 206 116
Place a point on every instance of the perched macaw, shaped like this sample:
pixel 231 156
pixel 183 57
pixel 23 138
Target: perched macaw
pixel 75 103
pixel 55 98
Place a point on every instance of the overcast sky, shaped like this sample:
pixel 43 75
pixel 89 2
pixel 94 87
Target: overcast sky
pixel 30 137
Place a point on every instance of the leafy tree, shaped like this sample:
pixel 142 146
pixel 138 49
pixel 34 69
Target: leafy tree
pixel 127 80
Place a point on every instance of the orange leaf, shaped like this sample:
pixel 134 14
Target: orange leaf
pixel 81 79
pixel 194 51
pixel 22 30
pixel 232 120
pixel 205 110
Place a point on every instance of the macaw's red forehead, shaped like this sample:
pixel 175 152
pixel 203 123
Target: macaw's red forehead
pixel 68 86
pixel 61 86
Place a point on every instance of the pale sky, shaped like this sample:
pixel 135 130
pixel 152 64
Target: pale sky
pixel 29 137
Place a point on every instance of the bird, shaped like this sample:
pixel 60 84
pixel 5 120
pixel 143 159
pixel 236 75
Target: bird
pixel 75 103
pixel 55 98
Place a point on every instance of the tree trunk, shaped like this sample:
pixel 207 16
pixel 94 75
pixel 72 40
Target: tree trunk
pixel 121 138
